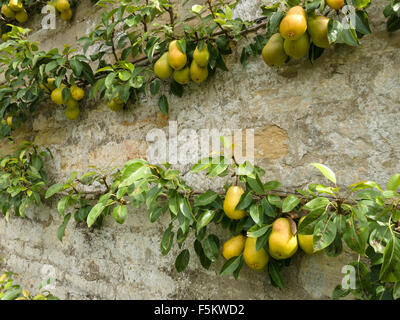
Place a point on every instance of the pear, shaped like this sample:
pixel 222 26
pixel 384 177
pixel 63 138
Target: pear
pixel 197 73
pixel 62 5
pixel 232 198
pixel 306 241
pixel 72 104
pixel 161 68
pixel 201 56
pixel 282 242
pixel 176 58
pixel 15 5
pixel 335 4
pixel 66 15
pixel 7 12
pixel 77 93
pixel 294 24
pixel 116 104
pixel 273 53
pixel 256 260
pixel 233 247
pixel 318 30
pixel 297 48
pixel 56 96
pixel 21 16
pixel 182 76
pixel 72 113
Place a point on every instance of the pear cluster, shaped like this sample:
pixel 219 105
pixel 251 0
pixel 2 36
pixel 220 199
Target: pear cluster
pixel 64 8
pixel 72 110
pixel 296 31
pixel 175 63
pixel 14 10
pixel 282 243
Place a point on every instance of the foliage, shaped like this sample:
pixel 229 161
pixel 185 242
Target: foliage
pixel 22 179
pixel 392 13
pixel 11 291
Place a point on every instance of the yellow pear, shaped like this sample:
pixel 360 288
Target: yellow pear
pixel 306 241
pixel 10 121
pixel 294 24
pixel 233 247
pixel 62 5
pixel 318 30
pixel 66 15
pixel 5 37
pixel 197 73
pixel 161 68
pixel 72 104
pixel 72 113
pixel 7 12
pixel 201 56
pixel 273 53
pixel 335 4
pixel 176 58
pixel 77 93
pixel 256 260
pixel 21 16
pixel 15 5
pixel 297 49
pixel 182 76
pixel 232 198
pixel 282 242
pixel 116 104
pixel 56 96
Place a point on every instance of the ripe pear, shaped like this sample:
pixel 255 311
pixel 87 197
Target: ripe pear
pixel 15 5
pixel 10 121
pixel 72 113
pixel 335 4
pixel 297 48
pixel 56 96
pixel 294 24
pixel 197 73
pixel 306 241
pixel 62 5
pixel 182 76
pixel 72 104
pixel 282 242
pixel 233 247
pixel 66 15
pixel 77 93
pixel 161 68
pixel 21 16
pixel 201 56
pixel 256 260
pixel 7 12
pixel 232 198
pixel 176 58
pixel 318 30
pixel 273 53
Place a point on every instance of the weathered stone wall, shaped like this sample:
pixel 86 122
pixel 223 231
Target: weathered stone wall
pixel 342 111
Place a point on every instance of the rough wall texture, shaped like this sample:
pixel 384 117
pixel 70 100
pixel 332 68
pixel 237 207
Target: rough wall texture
pixel 342 111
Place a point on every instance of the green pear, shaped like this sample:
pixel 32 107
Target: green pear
pixel 182 76
pixel 161 68
pixel 201 56
pixel 294 24
pixel 273 53
pixel 197 73
pixel 282 242
pixel 256 260
pixel 318 30
pixel 176 58
pixel 297 49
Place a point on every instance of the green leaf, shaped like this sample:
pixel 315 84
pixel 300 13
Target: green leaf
pixel 317 203
pixel 204 219
pixel 184 207
pixel 156 212
pixel 339 292
pixel 328 173
pixel 275 275
pixel 155 86
pixel 396 291
pixel 257 214
pixel 204 199
pixel 290 203
pixel 61 228
pixel 231 265
pixel 120 213
pixel 245 200
pixel 167 240
pixel 94 213
pixel 182 260
pixel 356 231
pixel 55 188
pixel 163 104
pixel 271 185
pixel 257 231
pixel 198 248
pixel 390 271
pixel 256 185
pixel 141 173
pixel 63 204
pixel 394 182
pixel 211 247
pixel 324 234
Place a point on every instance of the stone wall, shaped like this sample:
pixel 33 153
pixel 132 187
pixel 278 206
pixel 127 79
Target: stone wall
pixel 341 111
